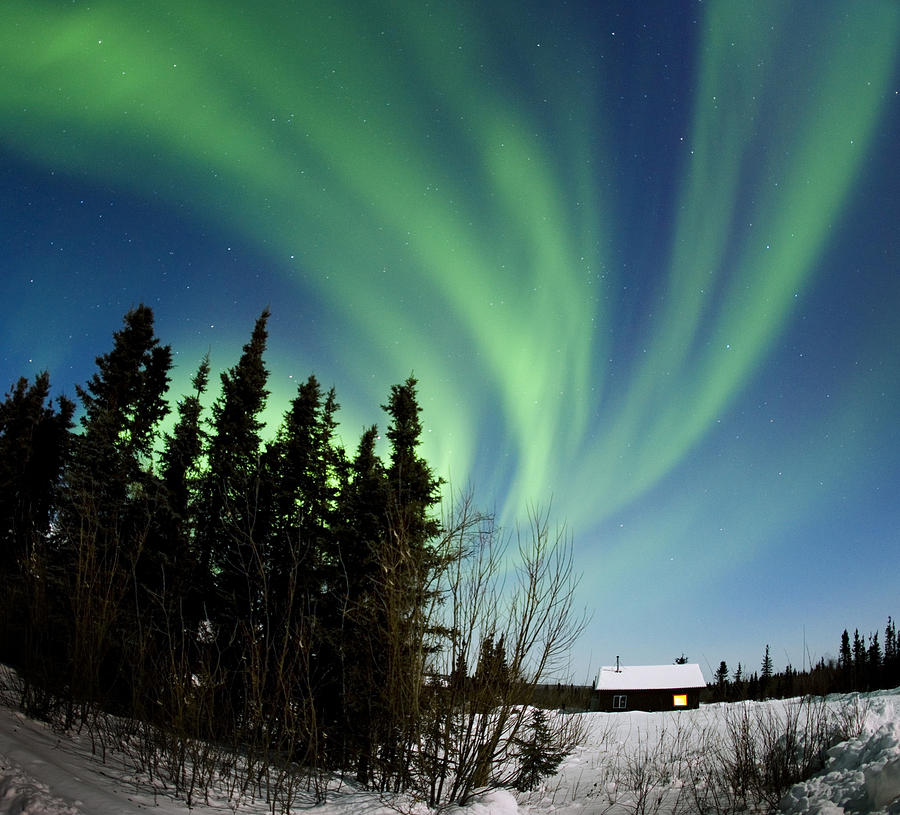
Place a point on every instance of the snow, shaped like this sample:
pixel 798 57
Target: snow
pixel 43 772
pixel 46 772
pixel 495 802
pixel 650 677
pixel 862 774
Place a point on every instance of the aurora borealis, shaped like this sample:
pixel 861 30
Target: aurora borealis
pixel 642 257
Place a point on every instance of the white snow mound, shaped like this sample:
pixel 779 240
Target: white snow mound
pixel 861 775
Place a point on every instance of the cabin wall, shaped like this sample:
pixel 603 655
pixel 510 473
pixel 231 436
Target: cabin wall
pixel 649 700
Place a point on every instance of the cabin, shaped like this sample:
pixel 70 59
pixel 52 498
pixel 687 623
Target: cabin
pixel 648 687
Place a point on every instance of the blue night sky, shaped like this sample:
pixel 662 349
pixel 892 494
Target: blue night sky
pixel 642 258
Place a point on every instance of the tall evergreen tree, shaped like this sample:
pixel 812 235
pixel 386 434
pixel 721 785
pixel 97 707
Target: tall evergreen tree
pixel 124 401
pixel 304 468
pixel 306 463
pixel 891 655
pixel 180 474
pixel 890 641
pixel 873 662
pixel 230 548
pixel 407 562
pixel 845 658
pixel 721 681
pixel 859 661
pixel 765 677
pixel 414 489
pixel 492 672
pixel 112 490
pixel 34 443
pixel 359 641
pixel 739 689
pixel 363 509
pixel 183 449
pixel 111 507
pixel 767 668
pixel 845 663
pixel 227 547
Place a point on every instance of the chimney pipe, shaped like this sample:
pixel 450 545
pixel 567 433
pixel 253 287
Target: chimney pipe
pixel 618 670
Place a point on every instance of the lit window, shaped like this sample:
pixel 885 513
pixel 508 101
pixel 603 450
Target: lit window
pixel 679 700
pixel 619 702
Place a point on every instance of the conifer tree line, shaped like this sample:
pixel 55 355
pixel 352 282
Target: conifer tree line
pixel 279 594
pixel 863 664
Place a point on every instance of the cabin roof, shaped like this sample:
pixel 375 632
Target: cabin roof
pixel 650 677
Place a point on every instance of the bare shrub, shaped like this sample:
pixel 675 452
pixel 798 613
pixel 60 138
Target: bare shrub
pixel 764 750
pixel 850 718
pixel 501 625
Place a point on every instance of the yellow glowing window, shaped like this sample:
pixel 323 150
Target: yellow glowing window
pixel 679 700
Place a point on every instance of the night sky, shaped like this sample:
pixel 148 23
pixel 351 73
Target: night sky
pixel 643 257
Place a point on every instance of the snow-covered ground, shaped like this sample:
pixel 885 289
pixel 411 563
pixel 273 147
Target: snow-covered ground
pixel 658 763
pixel 630 763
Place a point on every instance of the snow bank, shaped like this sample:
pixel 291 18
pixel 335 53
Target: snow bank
pixel 638 761
pixel 860 775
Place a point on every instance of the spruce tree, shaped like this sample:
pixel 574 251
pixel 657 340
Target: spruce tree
pixel 414 489
pixel 304 467
pixel 413 493
pixel 305 462
pixel 538 753
pixel 404 566
pixel 183 448
pixel 357 588
pixel 891 655
pixel 180 474
pixel 739 682
pixel 890 641
pixel 34 444
pixel 227 548
pixel 859 661
pixel 112 490
pixel 492 678
pixel 873 662
pixel 765 676
pixel 124 401
pixel 111 508
pixel 767 669
pixel 721 680
pixel 845 658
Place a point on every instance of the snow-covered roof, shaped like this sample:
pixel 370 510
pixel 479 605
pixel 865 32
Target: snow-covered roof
pixel 650 677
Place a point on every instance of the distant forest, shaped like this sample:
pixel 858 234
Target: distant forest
pixel 306 606
pixel 863 664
